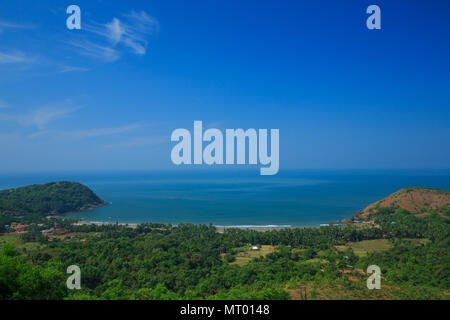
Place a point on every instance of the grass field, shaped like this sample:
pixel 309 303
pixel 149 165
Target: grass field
pixel 317 260
pixel 364 247
pixel 248 255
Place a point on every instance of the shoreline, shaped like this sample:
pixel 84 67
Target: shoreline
pixel 219 228
pixel 86 208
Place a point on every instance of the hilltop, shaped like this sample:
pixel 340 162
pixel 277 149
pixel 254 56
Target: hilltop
pixel 419 201
pixel 50 198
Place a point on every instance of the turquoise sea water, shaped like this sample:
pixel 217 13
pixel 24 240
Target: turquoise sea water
pixel 236 198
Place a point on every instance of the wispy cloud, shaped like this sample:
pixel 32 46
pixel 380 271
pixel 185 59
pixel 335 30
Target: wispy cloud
pixel 14 57
pixel 92 50
pixel 131 31
pixel 65 69
pixel 12 25
pixel 139 25
pixel 90 133
pixel 138 142
pixel 40 117
pixel 114 31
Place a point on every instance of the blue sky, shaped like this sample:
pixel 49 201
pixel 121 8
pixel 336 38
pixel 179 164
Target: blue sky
pixel 108 96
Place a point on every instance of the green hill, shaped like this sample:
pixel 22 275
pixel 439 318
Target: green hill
pixel 50 198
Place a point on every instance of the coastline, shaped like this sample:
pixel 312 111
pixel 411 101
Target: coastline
pixel 219 228
pixel 83 209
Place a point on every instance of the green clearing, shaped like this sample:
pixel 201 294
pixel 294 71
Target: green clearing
pixel 248 255
pixel 19 244
pixel 317 260
pixel 362 248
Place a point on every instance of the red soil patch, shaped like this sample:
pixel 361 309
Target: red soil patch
pixel 413 200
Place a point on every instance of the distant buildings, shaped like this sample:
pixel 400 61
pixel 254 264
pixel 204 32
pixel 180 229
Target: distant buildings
pixel 18 226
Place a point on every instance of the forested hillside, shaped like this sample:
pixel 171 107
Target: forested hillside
pixel 49 198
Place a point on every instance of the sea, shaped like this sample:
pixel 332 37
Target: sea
pixel 239 198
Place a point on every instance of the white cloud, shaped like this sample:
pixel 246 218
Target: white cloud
pixel 115 30
pixel 12 25
pixel 40 117
pixel 143 22
pixel 131 32
pixel 96 51
pixel 88 133
pixel 83 134
pixel 65 69
pixel 140 25
pixel 15 57
pixel 138 142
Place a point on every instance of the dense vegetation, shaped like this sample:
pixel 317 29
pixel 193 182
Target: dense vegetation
pixel 49 198
pixel 154 261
